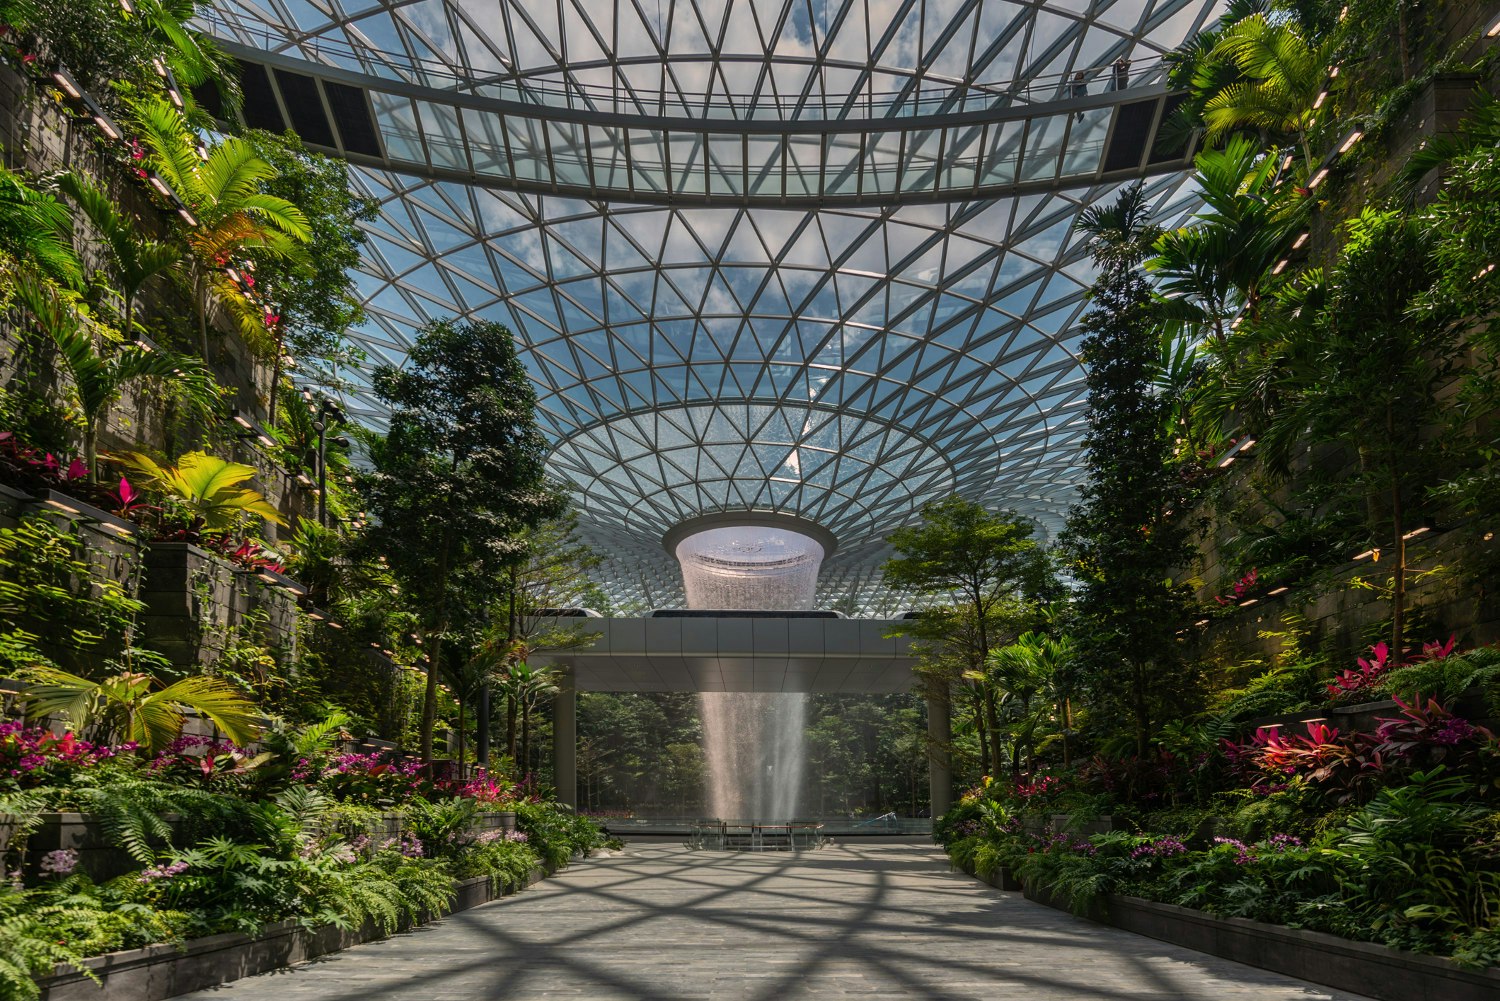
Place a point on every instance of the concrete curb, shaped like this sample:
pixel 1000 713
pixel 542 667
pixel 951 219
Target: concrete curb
pixel 1359 967
pixel 157 972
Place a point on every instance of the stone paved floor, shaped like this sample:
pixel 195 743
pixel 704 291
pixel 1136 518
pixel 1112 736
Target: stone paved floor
pixel 860 920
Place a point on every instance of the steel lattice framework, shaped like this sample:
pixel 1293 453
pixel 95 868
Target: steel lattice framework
pixel 698 351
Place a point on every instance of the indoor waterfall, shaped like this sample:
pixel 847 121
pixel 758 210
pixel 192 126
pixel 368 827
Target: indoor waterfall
pixel 754 743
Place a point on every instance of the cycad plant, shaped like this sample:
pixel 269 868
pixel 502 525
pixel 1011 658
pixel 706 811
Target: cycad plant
pixel 99 376
pixel 209 491
pixel 135 258
pixel 1283 70
pixel 130 706
pixel 235 217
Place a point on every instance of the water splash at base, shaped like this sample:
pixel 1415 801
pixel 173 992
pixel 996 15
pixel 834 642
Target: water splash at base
pixel 756 750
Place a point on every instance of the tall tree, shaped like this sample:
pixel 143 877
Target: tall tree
pixel 978 569
pixel 1126 535
pixel 458 478
pixel 1371 374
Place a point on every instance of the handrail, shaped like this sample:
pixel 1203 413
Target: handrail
pixel 952 98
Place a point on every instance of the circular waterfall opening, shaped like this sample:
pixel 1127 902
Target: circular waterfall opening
pixel 754 743
pixel 750 567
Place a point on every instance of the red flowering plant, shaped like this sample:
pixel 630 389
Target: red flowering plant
pixel 490 792
pixel 31 756
pixel 1426 735
pixel 245 553
pixel 203 760
pixel 375 779
pixel 1352 686
pixel 1240 589
pixel 34 469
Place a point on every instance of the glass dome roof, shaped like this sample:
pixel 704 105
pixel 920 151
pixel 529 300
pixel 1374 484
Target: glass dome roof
pixel 841 364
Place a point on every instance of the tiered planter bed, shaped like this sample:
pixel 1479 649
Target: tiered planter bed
pixel 102 859
pixel 99 855
pixel 1359 967
pixel 163 971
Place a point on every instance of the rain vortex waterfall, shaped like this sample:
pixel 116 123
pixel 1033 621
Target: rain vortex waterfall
pixel 754 743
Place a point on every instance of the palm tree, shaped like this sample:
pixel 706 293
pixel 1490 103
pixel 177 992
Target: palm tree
pixel 235 217
pixel 194 57
pixel 125 706
pixel 36 230
pixel 1284 71
pixel 1215 266
pixel 527 686
pixel 137 259
pixel 98 378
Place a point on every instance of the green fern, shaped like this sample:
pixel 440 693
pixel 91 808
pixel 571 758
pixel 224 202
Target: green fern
pixel 29 944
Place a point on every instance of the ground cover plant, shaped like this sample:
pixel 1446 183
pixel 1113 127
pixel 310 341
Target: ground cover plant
pixel 217 837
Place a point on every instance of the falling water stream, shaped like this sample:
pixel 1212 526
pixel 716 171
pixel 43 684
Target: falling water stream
pixel 754 743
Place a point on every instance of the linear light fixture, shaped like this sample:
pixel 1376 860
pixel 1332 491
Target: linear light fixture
pixel 65 80
pixel 1419 530
pixel 1279 590
pixel 1240 448
pixel 1301 241
pixel 1493 31
pixel 1353 137
pixel 1317 178
pixel 108 127
pixel 58 505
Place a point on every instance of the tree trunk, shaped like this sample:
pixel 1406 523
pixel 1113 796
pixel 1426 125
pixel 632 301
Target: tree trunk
pixel 462 767
pixel 275 377
pixel 511 629
pixel 984 743
pixel 1067 725
pixel 91 449
pixel 1403 42
pixel 524 765
pixel 434 651
pixel 200 303
pixel 1398 589
pixel 992 720
pixel 1139 709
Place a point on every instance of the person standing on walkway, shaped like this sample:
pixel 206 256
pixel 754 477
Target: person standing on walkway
pixel 1078 87
pixel 1121 78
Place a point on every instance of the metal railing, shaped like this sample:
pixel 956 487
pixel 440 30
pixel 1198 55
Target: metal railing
pixel 927 99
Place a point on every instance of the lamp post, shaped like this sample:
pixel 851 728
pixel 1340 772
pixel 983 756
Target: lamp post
pixel 327 412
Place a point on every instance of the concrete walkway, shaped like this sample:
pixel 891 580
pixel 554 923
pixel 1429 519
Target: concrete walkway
pixel 870 920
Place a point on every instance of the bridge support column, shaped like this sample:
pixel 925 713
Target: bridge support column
pixel 565 739
pixel 939 751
